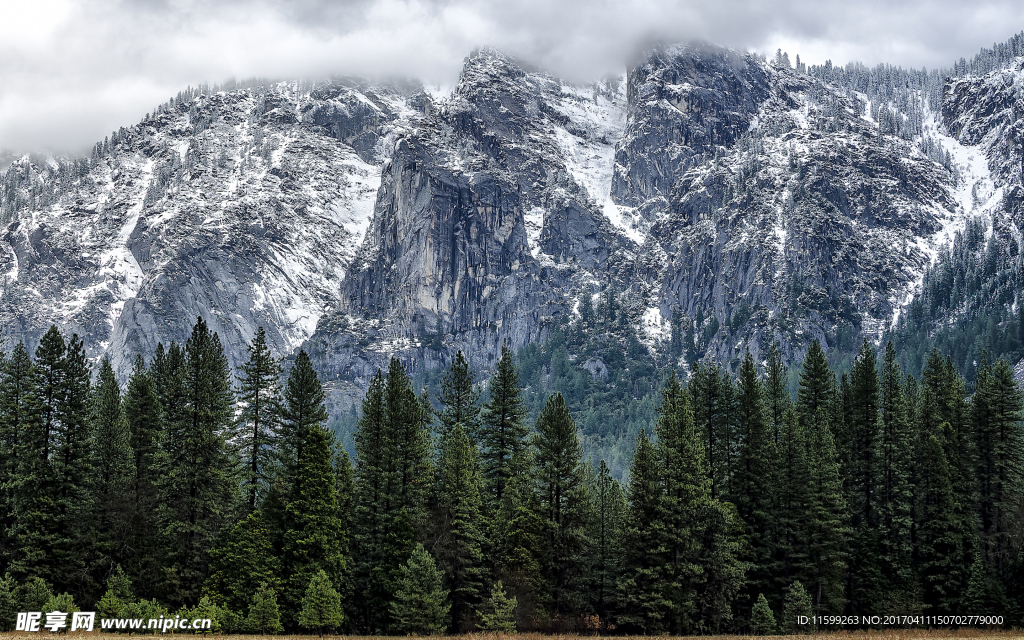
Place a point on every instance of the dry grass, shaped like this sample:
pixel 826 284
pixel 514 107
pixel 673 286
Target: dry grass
pixel 883 634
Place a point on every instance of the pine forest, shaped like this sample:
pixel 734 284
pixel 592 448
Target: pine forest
pixel 198 491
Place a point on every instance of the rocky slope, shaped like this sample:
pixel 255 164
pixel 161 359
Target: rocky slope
pixel 244 207
pixel 719 195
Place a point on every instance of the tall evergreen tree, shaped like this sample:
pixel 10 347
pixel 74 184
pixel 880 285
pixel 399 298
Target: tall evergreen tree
pixel 757 464
pixel 459 548
pixel 312 540
pixel 860 472
pixel 777 397
pixel 503 429
pixel 996 417
pixel 565 506
pixel 259 398
pixel 199 489
pixel 606 529
pixel 714 412
pixel 829 526
pixel 143 412
pixel 460 402
pixel 644 591
pixel 794 499
pixel 391 482
pixel 817 384
pixel 114 467
pixel 894 460
pixel 516 537
pixel 19 431
pixel 420 604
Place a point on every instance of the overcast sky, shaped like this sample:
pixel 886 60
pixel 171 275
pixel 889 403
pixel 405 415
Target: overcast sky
pixel 71 72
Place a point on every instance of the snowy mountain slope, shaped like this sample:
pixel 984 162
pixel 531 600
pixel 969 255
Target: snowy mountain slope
pixel 243 207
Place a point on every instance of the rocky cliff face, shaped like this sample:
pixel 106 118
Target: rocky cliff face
pixel 244 207
pixel 743 201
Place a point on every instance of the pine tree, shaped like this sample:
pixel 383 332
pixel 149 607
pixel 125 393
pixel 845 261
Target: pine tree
pixel 777 399
pixel 940 535
pixel 516 538
pixel 713 409
pixel 817 384
pixel 259 398
pixel 460 401
pixel 605 532
pixel 33 594
pixel 793 518
pixel 264 615
pixel 702 546
pixel 311 541
pixel 762 620
pixel 459 547
pixel 113 465
pixel 242 558
pixel 19 431
pixel 8 602
pixel 302 409
pixel 564 504
pixel 72 466
pixel 420 603
pixel 498 612
pixel 321 605
pixel 895 494
pixel 796 608
pixel 865 576
pixel 643 594
pixel 758 461
pixel 996 419
pixel 829 531
pixel 391 482
pixel 503 429
pixel 143 413
pixel 117 597
pixel 199 489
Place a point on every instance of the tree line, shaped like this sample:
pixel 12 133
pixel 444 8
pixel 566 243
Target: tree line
pixel 870 492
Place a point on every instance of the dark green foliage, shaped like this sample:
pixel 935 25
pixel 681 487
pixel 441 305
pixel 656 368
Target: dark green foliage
pixel 713 406
pixel 895 491
pixel 243 557
pixel 762 620
pixel 459 400
pixel 564 503
pixel 817 384
pixel 392 474
pixel 460 541
pixel 605 533
pixel 143 413
pixel 33 594
pixel 829 532
pixel 321 605
pixel 797 606
pixel 498 612
pixel 259 397
pixel 643 603
pixel 516 536
pixel 503 430
pixel 420 604
pixel 199 489
pixel 311 541
pixel 114 469
pixel 8 602
pixel 117 597
pixel 756 468
pixel 19 439
pixel 264 615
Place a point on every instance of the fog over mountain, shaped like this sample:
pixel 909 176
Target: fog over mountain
pixel 71 72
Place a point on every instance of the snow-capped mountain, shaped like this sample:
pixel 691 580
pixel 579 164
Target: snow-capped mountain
pixel 723 196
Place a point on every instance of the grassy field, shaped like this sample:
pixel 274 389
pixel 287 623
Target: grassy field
pixel 893 634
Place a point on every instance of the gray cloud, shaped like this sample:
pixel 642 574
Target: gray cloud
pixel 71 72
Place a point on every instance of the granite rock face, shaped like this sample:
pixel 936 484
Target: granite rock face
pixel 743 202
